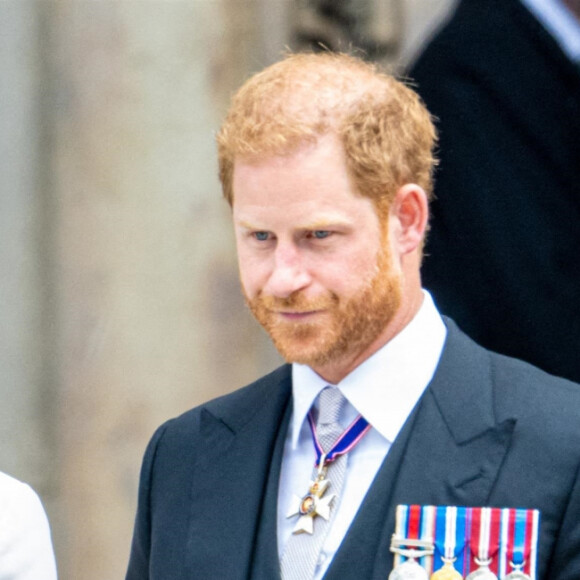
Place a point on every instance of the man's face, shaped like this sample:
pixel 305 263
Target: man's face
pixel 315 264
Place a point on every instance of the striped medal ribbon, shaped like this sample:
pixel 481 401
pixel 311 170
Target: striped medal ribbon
pixel 483 548
pixel 412 542
pixel 449 542
pixel 522 531
pixel 478 543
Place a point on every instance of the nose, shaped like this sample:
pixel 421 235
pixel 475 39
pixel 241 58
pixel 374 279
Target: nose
pixel 289 273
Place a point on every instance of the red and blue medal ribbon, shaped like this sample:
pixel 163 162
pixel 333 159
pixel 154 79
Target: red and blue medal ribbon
pixel 522 537
pixel 349 439
pixel 415 522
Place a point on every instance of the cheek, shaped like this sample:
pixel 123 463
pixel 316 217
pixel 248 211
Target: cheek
pixel 346 277
pixel 252 276
pixel 362 267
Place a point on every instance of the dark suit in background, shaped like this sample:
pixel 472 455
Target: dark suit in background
pixel 488 431
pixel 503 254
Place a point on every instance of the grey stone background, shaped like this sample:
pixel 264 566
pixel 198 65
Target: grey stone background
pixel 119 300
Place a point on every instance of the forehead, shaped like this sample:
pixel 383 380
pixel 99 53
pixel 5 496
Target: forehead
pixel 312 183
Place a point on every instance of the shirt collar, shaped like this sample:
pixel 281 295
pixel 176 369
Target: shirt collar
pixel 557 19
pixel 396 374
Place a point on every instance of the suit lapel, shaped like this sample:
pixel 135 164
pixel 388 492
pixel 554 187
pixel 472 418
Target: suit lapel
pixel 456 448
pixel 448 453
pixel 238 446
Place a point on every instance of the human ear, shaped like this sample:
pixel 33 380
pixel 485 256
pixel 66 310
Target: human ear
pixel 409 214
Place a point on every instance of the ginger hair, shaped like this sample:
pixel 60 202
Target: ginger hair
pixel 386 131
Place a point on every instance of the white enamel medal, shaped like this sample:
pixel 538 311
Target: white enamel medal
pixel 312 504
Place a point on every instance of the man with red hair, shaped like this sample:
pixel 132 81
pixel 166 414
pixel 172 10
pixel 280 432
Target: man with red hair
pixel 326 163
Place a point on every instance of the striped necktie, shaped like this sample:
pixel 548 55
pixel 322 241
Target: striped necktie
pixel 302 552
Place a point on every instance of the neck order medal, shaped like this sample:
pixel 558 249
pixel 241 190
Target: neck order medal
pixel 312 504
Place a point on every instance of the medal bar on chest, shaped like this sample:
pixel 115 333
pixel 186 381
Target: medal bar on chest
pixel 475 543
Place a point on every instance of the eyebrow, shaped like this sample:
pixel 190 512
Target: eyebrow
pixel 322 224
pixel 325 224
pixel 247 225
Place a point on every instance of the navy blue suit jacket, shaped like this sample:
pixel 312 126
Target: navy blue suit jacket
pixel 488 431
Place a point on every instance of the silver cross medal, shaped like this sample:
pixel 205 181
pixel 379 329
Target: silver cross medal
pixel 312 504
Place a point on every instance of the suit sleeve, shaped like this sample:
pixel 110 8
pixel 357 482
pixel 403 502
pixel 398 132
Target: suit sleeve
pixel 138 568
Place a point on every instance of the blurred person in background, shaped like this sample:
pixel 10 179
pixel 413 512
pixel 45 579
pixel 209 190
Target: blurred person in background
pixel 502 78
pixel 25 542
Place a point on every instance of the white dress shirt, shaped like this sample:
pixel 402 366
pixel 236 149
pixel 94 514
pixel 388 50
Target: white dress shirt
pixel 557 19
pixel 384 389
pixel 25 543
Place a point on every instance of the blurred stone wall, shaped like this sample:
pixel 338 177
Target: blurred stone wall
pixel 119 297
pixel 28 389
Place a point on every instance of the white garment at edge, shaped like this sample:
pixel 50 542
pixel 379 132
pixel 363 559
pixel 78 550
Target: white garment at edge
pixel 384 389
pixel 25 543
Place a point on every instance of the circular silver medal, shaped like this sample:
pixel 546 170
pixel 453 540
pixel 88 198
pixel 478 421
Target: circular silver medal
pixel 409 570
pixel 483 572
pixel 517 575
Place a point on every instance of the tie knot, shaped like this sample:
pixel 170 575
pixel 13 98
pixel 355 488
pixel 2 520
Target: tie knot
pixel 331 403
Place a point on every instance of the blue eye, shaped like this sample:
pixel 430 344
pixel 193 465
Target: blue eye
pixel 320 234
pixel 261 236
